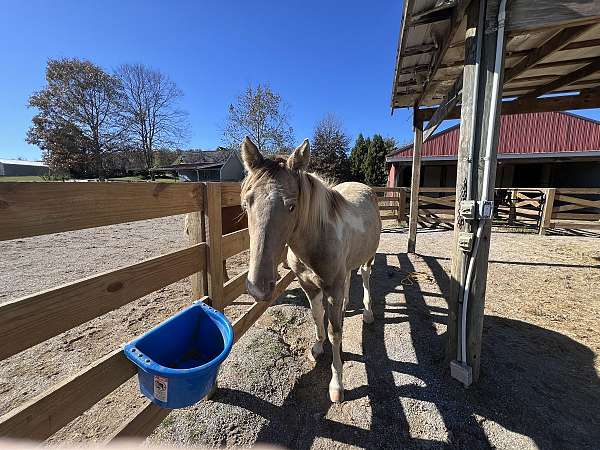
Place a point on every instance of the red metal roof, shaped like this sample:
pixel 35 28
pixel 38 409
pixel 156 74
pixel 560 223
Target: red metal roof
pixel 533 133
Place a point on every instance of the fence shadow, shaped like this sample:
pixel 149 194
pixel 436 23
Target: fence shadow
pixel 535 382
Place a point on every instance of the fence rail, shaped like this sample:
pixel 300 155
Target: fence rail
pixel 31 209
pixel 538 209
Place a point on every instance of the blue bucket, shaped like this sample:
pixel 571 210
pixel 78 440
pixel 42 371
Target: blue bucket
pixel 178 361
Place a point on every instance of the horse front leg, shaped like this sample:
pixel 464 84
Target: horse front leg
pixel 335 300
pixel 315 297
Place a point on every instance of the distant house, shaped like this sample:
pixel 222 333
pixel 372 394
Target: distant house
pixel 221 164
pixel 20 168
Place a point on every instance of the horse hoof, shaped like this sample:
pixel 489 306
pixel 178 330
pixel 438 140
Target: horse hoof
pixel 315 351
pixel 368 317
pixel 336 395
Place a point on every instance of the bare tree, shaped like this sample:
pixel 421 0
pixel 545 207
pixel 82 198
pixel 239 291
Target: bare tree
pixel 81 97
pixel 261 114
pixel 150 110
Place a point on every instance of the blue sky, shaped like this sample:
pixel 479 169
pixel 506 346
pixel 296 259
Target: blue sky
pixel 321 56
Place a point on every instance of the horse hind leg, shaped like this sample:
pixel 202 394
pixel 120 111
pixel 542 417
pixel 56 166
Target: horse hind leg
pixel 365 272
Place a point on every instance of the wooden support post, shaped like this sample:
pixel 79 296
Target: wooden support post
pixel 214 233
pixel 474 137
pixel 547 213
pixel 414 187
pixel 196 232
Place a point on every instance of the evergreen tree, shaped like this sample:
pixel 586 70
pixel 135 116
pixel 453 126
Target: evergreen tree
pixel 329 150
pixel 374 166
pixel 358 157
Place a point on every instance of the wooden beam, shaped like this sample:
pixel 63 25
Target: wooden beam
pixel 436 14
pixel 554 44
pixel 419 49
pixel 32 319
pixel 475 136
pixel 234 288
pixel 32 209
pixel 442 111
pixel 565 80
pixel 241 325
pixel 143 423
pixel 585 100
pixel 458 13
pixel 414 187
pixel 230 193
pixel 196 233
pixel 44 415
pixel 537 15
pixel 547 212
pixel 214 235
pixel 234 243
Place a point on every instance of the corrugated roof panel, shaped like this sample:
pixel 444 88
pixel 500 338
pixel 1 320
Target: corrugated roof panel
pixel 549 132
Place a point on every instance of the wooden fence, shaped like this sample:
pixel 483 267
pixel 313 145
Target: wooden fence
pixel 537 209
pixel 32 209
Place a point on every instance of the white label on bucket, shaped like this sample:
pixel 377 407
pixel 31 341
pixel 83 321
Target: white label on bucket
pixel 161 388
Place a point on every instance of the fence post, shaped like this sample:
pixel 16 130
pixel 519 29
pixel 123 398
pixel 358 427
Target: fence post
pixel 214 234
pixel 195 229
pixel 414 188
pixel 547 213
pixel 402 205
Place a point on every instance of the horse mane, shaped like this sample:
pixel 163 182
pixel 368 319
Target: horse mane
pixel 317 203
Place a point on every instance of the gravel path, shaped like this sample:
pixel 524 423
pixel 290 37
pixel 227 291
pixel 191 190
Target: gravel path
pixel 539 384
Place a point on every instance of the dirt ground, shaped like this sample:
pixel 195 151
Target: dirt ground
pixel 539 388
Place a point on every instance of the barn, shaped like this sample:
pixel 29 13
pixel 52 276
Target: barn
pixel 545 149
pixel 20 168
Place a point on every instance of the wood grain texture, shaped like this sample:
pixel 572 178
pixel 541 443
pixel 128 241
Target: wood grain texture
pixel 214 236
pixel 32 209
pixel 242 324
pixel 545 14
pixel 45 414
pixel 142 423
pixel 230 194
pixel 234 288
pixel 32 319
pixel 234 243
pixel 196 234
pixel 414 188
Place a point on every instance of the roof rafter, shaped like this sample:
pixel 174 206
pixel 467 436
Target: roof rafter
pixel 555 43
pixel 458 14
pixel 565 80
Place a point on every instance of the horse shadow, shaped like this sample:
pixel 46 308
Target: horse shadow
pixel 534 382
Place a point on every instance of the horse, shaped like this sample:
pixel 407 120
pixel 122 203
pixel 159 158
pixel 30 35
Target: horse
pixel 330 231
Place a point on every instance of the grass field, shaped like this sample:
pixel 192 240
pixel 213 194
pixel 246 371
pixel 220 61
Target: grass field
pixel 130 179
pixel 26 178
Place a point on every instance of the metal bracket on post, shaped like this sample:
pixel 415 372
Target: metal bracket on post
pixel 465 241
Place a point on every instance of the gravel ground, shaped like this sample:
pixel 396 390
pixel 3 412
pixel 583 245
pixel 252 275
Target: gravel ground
pixel 539 386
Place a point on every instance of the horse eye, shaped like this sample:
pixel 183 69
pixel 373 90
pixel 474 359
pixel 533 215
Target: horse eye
pixel 291 207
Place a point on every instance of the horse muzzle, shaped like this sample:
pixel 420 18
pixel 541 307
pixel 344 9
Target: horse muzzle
pixel 261 291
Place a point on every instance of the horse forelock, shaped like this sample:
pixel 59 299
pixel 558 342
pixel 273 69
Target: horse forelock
pixel 317 202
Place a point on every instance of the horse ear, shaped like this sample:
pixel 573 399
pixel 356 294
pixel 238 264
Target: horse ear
pixel 300 157
pixel 250 155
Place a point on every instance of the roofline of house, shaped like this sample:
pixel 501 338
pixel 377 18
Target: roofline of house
pixel 558 155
